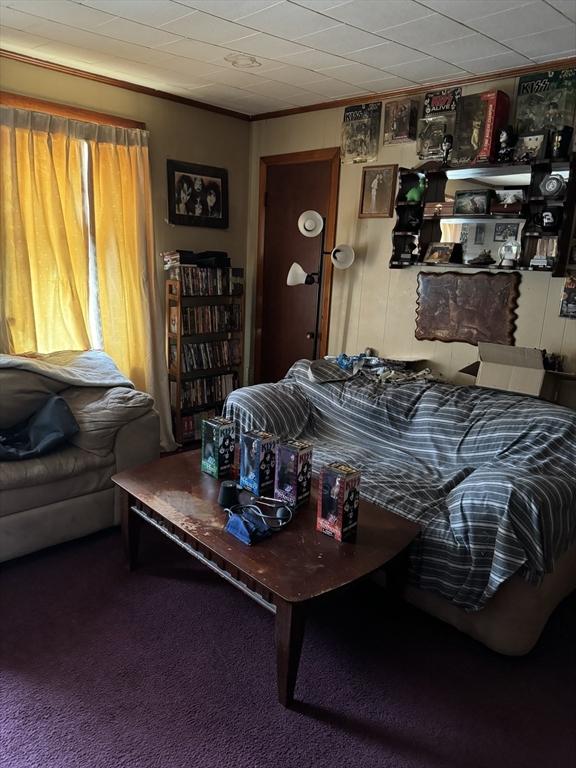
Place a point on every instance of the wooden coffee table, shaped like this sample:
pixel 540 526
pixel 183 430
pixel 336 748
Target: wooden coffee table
pixel 284 573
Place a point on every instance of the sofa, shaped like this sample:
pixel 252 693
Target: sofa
pixel 68 492
pixel 489 476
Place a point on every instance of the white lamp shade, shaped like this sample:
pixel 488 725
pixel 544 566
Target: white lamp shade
pixel 296 275
pixel 310 223
pixel 342 256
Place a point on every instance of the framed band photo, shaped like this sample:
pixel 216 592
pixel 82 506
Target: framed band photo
pixel 197 195
pixel 378 191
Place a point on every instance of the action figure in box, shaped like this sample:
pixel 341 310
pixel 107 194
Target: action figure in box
pixel 479 120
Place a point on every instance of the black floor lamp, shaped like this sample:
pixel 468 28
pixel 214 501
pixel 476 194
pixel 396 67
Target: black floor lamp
pixel 312 224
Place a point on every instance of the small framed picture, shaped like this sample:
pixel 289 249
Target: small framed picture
pixel 479 234
pixel 443 253
pixel 472 202
pixel 504 231
pixel 400 121
pixel 197 195
pixel 507 201
pixel 378 191
pixel 531 147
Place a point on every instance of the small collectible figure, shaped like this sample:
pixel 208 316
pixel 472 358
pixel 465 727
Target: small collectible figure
pixel 506 141
pixel 415 194
pixel 217 446
pixel 560 143
pixel 258 462
pixel 447 142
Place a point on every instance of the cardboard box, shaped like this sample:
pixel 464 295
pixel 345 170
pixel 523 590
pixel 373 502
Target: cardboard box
pixel 217 446
pixel 513 369
pixel 258 462
pixel 338 501
pixel 293 472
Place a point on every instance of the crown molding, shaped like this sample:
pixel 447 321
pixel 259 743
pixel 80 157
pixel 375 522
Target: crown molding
pixel 120 84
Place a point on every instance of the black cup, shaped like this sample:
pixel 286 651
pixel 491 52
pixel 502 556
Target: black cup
pixel 228 495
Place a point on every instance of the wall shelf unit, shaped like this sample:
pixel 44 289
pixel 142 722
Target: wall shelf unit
pixel 432 220
pixel 204 343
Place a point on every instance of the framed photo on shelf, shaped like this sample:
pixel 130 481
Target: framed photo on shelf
pixel 531 147
pixel 507 201
pixel 443 253
pixel 479 234
pixel 472 202
pixel 378 191
pixel 504 231
pixel 197 195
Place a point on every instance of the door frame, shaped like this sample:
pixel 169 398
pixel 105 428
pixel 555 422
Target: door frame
pixel 331 154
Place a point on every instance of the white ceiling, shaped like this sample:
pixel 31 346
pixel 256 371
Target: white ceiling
pixel 308 51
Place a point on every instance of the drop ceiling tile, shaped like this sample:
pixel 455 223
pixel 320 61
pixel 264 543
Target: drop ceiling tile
pixel 227 10
pixel 295 75
pixel 340 39
pixel 470 47
pixel 63 11
pixel 235 77
pixel 19 40
pixel 12 18
pixel 260 44
pixel 209 29
pixel 312 59
pixel 152 12
pixel 555 56
pixel 384 55
pixel 288 21
pixel 72 53
pixel 388 83
pixel 567 7
pixel 422 70
pixel 181 64
pixel 525 20
pixel 545 43
pixel 220 91
pixel 464 10
pixel 494 63
pixel 334 89
pixel 275 88
pixel 353 73
pixel 432 29
pixel 193 49
pixel 131 32
pixel 260 104
pixel 306 99
pixel 321 5
pixel 372 16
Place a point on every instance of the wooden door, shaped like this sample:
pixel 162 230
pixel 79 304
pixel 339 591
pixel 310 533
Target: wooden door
pixel 286 316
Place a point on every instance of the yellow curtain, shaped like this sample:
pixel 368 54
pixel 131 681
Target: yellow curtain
pixel 132 324
pixel 44 240
pixel 77 265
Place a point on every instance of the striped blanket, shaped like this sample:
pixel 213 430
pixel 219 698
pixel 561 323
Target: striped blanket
pixel 490 476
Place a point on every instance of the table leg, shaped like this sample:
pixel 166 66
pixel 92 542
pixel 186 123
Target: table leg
pixel 131 524
pixel 290 621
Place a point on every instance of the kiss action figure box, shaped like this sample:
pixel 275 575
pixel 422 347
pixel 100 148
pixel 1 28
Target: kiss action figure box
pixel 258 462
pixel 338 501
pixel 479 119
pixel 293 472
pixel 217 446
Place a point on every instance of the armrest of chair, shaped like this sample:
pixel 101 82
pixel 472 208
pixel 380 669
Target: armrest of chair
pixel 281 408
pixel 136 443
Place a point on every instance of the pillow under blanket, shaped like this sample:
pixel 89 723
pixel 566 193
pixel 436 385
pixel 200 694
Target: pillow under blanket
pixel 44 431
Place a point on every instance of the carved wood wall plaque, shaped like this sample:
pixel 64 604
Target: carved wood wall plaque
pixel 452 306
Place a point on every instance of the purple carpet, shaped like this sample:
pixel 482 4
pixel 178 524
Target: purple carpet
pixel 170 667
